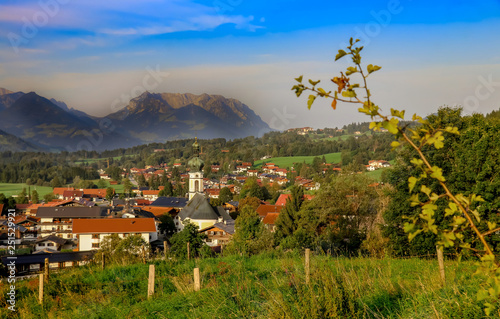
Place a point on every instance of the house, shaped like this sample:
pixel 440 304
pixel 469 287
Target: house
pixel 264 209
pixel 281 201
pixel 252 172
pixel 150 194
pixel 52 243
pixel 31 224
pixel 72 194
pixel 58 191
pixel 6 233
pixel 91 232
pixel 58 220
pixel 219 234
pixel 199 212
pixel 270 221
pixel 212 192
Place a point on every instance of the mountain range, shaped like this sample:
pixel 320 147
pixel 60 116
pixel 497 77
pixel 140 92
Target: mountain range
pixel 43 124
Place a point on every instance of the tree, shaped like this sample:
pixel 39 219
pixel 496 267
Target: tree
pixel 102 184
pixel 167 225
pixel 56 182
pixel 253 202
pixel 122 250
pixel 141 180
pixel 34 197
pixel 22 197
pixel 49 197
pixel 287 221
pixel 188 234
pixel 225 195
pixel 251 236
pixel 127 186
pixel 110 193
pixel 430 189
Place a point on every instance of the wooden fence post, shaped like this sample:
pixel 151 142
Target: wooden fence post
pixel 151 281
pixel 441 263
pixel 165 249
pixel 188 249
pixel 47 266
pixel 103 261
pixel 308 270
pixel 197 285
pixel 40 290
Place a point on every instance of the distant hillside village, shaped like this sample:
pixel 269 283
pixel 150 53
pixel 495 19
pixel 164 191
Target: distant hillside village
pixel 73 225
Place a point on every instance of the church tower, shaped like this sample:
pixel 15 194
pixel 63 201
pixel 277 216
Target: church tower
pixel 195 165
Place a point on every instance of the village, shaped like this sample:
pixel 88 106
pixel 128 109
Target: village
pixel 70 228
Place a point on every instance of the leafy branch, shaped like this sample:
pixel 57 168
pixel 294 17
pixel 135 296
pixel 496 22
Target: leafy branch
pixel 460 214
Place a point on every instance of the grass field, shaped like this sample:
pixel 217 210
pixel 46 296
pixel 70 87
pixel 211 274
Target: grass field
pixel 269 285
pixel 102 159
pixel 118 188
pixel 284 162
pixel 9 189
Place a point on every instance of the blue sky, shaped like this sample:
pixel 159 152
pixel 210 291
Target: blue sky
pixel 94 55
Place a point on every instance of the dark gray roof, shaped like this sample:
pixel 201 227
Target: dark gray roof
pixel 227 226
pixel 84 202
pixel 199 208
pixel 234 203
pixel 177 202
pixel 53 258
pixel 71 212
pixel 55 239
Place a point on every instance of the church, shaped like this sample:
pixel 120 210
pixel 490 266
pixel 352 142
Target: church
pixel 198 209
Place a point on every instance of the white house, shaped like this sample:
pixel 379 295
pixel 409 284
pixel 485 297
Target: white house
pixel 91 232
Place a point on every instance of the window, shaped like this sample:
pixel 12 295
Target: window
pixel 95 245
pixel 95 236
pixel 196 186
pixel 50 244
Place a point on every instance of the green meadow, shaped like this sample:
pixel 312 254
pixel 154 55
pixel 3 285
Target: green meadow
pixel 10 189
pixel 269 285
pixel 284 162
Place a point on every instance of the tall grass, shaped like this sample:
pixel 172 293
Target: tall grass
pixel 269 285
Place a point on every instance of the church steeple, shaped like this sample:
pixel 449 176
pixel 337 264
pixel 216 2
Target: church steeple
pixel 195 165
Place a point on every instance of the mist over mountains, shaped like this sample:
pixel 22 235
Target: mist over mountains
pixel 42 124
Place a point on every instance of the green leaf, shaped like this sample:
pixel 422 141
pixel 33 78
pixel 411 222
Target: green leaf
pixel 426 190
pixel 313 83
pixel 349 93
pixel 322 91
pixel 476 214
pixel 395 144
pixel 299 79
pixel 391 125
pixel 351 70
pixel 372 68
pixel 311 101
pixel 411 183
pixel 437 173
pixel 417 162
pixel 491 226
pixel 340 54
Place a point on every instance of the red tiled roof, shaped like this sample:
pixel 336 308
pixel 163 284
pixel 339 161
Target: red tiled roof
pixel 150 192
pixel 283 197
pixel 212 191
pixel 95 192
pixel 270 218
pixel 61 190
pixel 114 225
pixel 263 210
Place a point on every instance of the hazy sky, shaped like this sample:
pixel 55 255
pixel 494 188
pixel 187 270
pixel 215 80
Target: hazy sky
pixel 96 55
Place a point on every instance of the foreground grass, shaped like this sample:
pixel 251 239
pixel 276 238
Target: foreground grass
pixel 263 286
